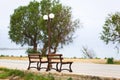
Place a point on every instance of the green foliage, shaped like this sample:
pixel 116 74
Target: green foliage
pixel 24 27
pixel 31 76
pixel 27 26
pixel 2 55
pixel 110 60
pixel 62 26
pixel 4 74
pixel 7 72
pixel 74 57
pixel 4 69
pixel 31 51
pixel 111 29
pixel 97 58
pixel 26 76
pixel 16 73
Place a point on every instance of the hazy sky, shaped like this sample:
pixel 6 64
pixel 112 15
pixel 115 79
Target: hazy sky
pixel 91 13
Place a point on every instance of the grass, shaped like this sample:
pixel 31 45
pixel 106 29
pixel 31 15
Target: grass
pixel 11 74
pixel 31 76
pixel 117 62
pixel 25 75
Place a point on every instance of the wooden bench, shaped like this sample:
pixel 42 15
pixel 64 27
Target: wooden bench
pixel 36 58
pixel 57 59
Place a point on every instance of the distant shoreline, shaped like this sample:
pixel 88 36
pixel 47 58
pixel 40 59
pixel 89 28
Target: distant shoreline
pixel 13 48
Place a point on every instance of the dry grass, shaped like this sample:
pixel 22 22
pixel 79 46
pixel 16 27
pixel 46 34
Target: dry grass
pixel 100 61
pixel 14 58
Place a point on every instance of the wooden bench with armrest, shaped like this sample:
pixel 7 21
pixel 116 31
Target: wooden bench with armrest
pixel 57 59
pixel 36 58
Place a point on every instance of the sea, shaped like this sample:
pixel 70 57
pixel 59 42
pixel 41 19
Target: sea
pixel 13 52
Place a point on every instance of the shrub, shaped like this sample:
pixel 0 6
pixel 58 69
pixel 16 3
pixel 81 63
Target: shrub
pixel 31 51
pixel 74 57
pixel 2 55
pixel 97 58
pixel 110 60
pixel 105 58
pixel 12 55
pixel 21 56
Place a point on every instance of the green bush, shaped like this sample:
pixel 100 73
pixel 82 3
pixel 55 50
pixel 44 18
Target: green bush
pixel 31 51
pixel 110 60
pixel 2 55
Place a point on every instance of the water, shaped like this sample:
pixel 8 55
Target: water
pixel 21 52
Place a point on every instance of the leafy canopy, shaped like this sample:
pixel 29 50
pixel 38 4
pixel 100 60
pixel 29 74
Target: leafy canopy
pixel 111 29
pixel 24 25
pixel 27 26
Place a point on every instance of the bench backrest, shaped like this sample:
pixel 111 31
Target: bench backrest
pixel 54 57
pixel 34 57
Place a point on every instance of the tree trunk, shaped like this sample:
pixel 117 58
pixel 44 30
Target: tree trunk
pixel 35 46
pixel 44 49
pixel 55 48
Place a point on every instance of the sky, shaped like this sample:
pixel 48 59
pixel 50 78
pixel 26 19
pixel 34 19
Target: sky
pixel 92 15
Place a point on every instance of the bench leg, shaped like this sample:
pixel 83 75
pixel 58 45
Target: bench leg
pixel 57 67
pixel 48 67
pixel 28 66
pixel 60 67
pixel 38 66
pixel 70 67
pixel 70 70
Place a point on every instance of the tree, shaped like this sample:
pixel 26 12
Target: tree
pixel 24 27
pixel 111 29
pixel 28 27
pixel 62 26
pixel 87 53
